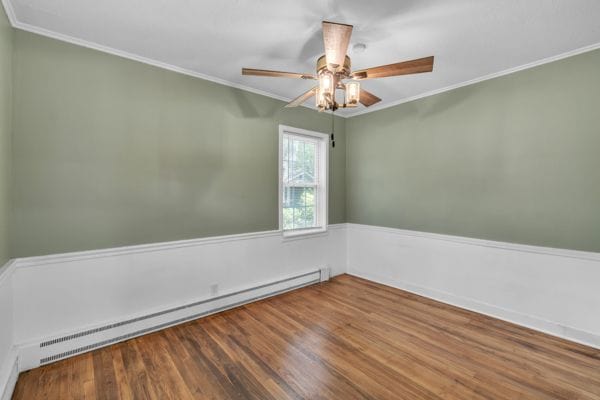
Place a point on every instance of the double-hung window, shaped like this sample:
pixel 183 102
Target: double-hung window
pixel 303 157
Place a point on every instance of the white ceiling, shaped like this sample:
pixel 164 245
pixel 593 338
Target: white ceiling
pixel 471 39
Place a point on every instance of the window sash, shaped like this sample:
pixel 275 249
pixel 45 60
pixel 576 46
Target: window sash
pixel 302 185
pixel 295 163
pixel 310 217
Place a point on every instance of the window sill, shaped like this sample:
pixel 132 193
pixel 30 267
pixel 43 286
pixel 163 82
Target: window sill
pixel 304 233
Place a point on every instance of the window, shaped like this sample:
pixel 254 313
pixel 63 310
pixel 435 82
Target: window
pixel 302 181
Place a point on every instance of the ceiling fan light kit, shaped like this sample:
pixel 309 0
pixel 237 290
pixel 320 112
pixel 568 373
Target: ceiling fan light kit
pixel 334 67
pixel 331 78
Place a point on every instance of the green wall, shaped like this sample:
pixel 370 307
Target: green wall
pixel 6 47
pixel 513 159
pixel 111 152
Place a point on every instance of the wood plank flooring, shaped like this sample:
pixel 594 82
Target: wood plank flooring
pixel 345 339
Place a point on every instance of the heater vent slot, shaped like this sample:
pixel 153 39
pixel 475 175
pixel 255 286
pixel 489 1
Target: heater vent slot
pixel 106 342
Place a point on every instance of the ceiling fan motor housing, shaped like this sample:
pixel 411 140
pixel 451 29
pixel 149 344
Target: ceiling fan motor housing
pixel 343 70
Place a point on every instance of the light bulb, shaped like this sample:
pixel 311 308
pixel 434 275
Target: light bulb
pixel 326 83
pixel 320 99
pixel 352 93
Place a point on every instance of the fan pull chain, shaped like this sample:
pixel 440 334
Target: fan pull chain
pixel 332 126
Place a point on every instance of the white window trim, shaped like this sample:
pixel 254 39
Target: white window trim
pixel 324 177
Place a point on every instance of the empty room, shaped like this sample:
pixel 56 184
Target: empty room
pixel 316 199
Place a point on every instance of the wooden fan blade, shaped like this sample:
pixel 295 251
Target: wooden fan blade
pixel 336 38
pixel 367 98
pixel 402 68
pixel 277 74
pixel 302 98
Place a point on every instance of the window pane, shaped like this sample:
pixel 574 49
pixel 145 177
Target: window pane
pixel 285 158
pixel 308 211
pixel 309 162
pixel 299 207
pixel 296 167
pixel 299 161
pixel 288 218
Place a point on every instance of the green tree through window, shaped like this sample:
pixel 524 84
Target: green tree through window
pixel 300 181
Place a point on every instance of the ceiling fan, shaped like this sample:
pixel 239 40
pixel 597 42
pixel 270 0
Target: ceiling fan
pixel 334 67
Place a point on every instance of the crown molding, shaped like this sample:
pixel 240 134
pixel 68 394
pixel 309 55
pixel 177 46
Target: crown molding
pixel 105 49
pixel 10 12
pixel 130 56
pixel 509 71
pixel 144 60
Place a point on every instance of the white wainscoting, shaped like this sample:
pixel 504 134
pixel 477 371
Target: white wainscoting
pixel 550 290
pixel 61 295
pixel 43 299
pixel 8 351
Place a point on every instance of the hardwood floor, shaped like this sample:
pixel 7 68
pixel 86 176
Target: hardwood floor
pixel 345 339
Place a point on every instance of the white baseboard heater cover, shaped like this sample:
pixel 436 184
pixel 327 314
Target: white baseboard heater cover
pixel 36 354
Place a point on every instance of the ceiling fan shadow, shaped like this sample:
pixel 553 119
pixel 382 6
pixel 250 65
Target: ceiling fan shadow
pixel 249 105
pixel 377 24
pixel 313 47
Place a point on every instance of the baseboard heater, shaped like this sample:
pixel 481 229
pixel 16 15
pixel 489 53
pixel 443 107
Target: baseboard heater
pixel 36 354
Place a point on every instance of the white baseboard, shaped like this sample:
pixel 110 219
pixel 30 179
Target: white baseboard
pixel 528 321
pixel 50 349
pixel 9 373
pixel 549 290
